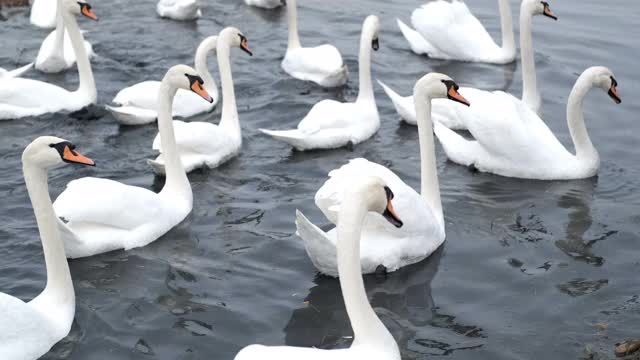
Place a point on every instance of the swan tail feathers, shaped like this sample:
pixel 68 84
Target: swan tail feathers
pixel 295 137
pixel 157 165
pixel 403 106
pixel 19 71
pixel 418 43
pixel 131 115
pixel 321 250
pixel 457 148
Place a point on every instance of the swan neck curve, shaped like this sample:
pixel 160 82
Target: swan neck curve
pixel 292 20
pixel 87 85
pixel 367 327
pixel 585 151
pixel 530 94
pixel 430 187
pixel 58 47
pixel 176 178
pixel 365 91
pixel 506 24
pixel 59 288
pixel 229 117
pixel 200 62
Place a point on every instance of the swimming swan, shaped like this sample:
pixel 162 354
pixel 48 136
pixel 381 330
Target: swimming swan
pixel 384 245
pixel 267 4
pixel 331 124
pixel 29 330
pixel 454 115
pixel 100 215
pixel 368 197
pixel 203 144
pixel 21 97
pixel 179 9
pixel 513 141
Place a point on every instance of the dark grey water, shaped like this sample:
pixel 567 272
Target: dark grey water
pixel 528 269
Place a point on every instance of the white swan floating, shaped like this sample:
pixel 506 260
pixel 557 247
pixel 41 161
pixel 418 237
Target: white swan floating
pixel 448 30
pixel 322 64
pixel 203 144
pixel 384 245
pixel 267 4
pixel 5 74
pixel 181 10
pixel 331 124
pixel 513 141
pixel 29 330
pixel 454 115
pixel 21 97
pixel 137 104
pixel 43 13
pixel 367 197
pixel 100 215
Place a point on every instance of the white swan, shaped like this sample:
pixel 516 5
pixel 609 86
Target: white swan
pixel 100 215
pixel 267 4
pixel 43 13
pixel 21 97
pixel 137 104
pixel 331 124
pixel 454 115
pixel 366 198
pixel 203 144
pixel 56 52
pixel 29 330
pixel 448 30
pixel 5 74
pixel 179 9
pixel 321 64
pixel 513 141
pixel 423 230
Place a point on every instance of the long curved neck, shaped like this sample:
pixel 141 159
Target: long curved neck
pixel 201 65
pixel 229 118
pixel 292 19
pixel 585 151
pixel 176 180
pixel 58 47
pixel 367 327
pixel 530 94
pixel 430 187
pixel 87 84
pixel 59 288
pixel 506 22
pixel 364 63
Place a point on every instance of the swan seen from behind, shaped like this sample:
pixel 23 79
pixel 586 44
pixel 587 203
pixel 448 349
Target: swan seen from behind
pixel 100 215
pixel 43 13
pixel 181 10
pixel 29 329
pixel 267 4
pixel 384 245
pixel 368 196
pixel 331 124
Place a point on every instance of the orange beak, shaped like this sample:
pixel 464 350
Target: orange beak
pixel 613 92
pixel 391 216
pixel 454 95
pixel 198 89
pixel 244 47
pixel 75 157
pixel 549 13
pixel 88 13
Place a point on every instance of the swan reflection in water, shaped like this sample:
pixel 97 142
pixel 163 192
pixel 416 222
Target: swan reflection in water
pixel 404 302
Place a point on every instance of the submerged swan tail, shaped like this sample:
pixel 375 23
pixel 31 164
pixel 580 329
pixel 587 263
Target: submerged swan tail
pixel 131 115
pixel 157 165
pixel 321 250
pixel 403 105
pixel 293 137
pixel 418 44
pixel 457 148
pixel 19 71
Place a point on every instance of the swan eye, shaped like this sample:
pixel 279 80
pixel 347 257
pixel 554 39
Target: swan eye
pixel 243 45
pixel 375 44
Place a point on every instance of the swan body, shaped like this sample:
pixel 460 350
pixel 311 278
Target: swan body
pixel 448 30
pixel 5 74
pixel 43 13
pixel 322 64
pixel 21 97
pixel 179 9
pixel 368 196
pixel 516 142
pixel 267 4
pixel 332 124
pixel 423 230
pixel 203 144
pixel 137 104
pixel 56 54
pixel 29 329
pixel 454 115
pixel 100 215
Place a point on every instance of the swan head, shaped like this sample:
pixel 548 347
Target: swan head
pixel 538 7
pixel 371 27
pixel 235 38
pixel 438 86
pixel 76 7
pixel 603 78
pixel 49 152
pixel 185 77
pixel 377 196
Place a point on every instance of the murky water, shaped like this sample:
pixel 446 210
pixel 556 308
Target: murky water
pixel 528 270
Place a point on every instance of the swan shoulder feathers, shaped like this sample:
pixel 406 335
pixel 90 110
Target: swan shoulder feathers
pixel 451 26
pixel 46 59
pixel 30 333
pixel 200 137
pixel 331 114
